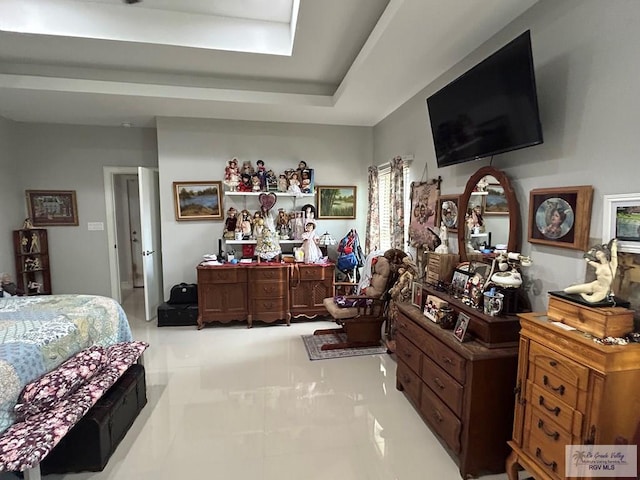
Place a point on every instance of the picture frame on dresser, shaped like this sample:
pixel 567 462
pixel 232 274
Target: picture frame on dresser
pixel 417 295
pixel 198 200
pixel 460 330
pixel 561 216
pixel 621 220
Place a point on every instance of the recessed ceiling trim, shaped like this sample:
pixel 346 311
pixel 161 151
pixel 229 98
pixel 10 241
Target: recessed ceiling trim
pixel 120 22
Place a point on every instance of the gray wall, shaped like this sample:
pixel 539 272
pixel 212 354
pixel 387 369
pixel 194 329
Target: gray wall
pixel 12 198
pixel 71 157
pixel 585 55
pixel 199 150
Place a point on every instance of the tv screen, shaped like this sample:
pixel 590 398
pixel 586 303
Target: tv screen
pixel 492 108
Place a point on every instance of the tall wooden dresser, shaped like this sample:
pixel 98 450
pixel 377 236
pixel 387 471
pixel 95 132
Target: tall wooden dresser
pixel 570 391
pixel 463 391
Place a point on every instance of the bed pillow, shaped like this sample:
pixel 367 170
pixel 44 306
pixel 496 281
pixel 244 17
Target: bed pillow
pixel 58 384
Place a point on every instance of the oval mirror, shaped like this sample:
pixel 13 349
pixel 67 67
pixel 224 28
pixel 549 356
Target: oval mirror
pixel 489 214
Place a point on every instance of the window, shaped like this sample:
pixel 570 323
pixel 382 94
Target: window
pixel 384 193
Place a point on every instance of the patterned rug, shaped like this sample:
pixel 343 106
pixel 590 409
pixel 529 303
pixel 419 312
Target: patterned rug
pixel 313 343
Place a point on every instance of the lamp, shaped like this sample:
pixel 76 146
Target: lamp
pixel 326 239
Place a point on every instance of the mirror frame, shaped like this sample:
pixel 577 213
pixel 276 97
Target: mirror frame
pixel 512 201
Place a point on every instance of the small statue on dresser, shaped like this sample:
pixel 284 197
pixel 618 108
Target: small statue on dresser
pixel 604 258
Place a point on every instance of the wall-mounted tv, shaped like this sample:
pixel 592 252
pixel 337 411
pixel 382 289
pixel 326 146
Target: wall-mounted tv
pixel 491 109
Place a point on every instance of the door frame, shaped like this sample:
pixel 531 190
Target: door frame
pixel 112 228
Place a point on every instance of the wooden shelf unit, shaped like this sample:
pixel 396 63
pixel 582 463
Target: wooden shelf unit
pixel 31 250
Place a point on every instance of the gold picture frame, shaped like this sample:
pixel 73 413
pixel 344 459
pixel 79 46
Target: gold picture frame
pixel 448 212
pixel 198 200
pixel 52 207
pixel 336 202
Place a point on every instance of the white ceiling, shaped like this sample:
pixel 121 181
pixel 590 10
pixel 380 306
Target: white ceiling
pixel 102 62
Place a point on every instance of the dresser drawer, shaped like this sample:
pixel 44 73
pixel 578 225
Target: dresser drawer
pixel 442 420
pixel 570 371
pixel 312 273
pixel 543 428
pixel 268 305
pixel 409 380
pixel 450 361
pixel 546 453
pixel 269 273
pixel 222 275
pixel 555 385
pixel 267 289
pixel 449 391
pixel 550 406
pixel 408 353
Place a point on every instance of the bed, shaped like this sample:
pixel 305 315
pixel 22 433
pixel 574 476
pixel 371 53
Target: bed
pixel 38 334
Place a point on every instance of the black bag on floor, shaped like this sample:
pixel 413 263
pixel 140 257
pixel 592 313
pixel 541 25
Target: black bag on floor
pixel 177 315
pixel 183 293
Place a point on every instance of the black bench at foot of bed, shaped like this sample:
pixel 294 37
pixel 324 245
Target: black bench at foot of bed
pixel 91 442
pixel 177 315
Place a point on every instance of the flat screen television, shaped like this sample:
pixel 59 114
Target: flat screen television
pixel 491 109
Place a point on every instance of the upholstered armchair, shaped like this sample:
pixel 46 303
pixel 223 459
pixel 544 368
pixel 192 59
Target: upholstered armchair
pixel 361 316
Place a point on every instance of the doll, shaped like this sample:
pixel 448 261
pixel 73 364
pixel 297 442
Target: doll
pixel 247 168
pixel 312 252
pixel 282 226
pixel 245 184
pixel 294 183
pixel 232 175
pixel 255 183
pixel 230 224
pixel 267 247
pixel 297 225
pixel 283 183
pixel 261 172
pixel 245 225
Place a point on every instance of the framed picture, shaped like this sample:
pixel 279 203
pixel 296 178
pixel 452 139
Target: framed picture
pixel 495 202
pixel 52 207
pixel 198 200
pixel 621 220
pixel 447 211
pixel 561 217
pixel 424 207
pixel 336 202
pixel 460 330
pixel 459 281
pixel 416 294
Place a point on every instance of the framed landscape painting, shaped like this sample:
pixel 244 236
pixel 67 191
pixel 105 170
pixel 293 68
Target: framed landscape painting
pixel 198 200
pixel 621 220
pixel 52 207
pixel 336 202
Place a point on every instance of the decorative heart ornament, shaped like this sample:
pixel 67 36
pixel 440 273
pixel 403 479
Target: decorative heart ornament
pixel 267 200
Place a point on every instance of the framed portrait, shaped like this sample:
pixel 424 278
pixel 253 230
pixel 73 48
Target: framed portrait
pixel 447 212
pixel 495 202
pixel 460 330
pixel 336 202
pixel 52 207
pixel 198 200
pixel 424 207
pixel 621 220
pixel 416 295
pixel 561 217
pixel 459 280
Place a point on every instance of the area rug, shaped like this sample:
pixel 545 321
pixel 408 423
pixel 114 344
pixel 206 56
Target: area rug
pixel 313 343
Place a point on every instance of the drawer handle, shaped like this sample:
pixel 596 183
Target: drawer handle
pixel 437 415
pixel 406 378
pixel 407 354
pixel 268 305
pixel 547 383
pixel 552 465
pixel 447 360
pixel 439 383
pixel 554 435
pixel 553 363
pixel 555 411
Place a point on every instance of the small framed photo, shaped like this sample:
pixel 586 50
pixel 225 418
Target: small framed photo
pixel 621 220
pixel 198 200
pixel 460 330
pixel 459 281
pixel 448 212
pixel 336 202
pixel 52 207
pixel 561 217
pixel 416 295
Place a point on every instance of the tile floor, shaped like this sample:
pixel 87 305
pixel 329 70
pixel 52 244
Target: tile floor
pixel 229 402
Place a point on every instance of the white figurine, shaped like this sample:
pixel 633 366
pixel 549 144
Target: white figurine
pixel 604 258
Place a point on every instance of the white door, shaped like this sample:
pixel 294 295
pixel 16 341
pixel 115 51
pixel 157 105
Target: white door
pixel 133 197
pixel 150 239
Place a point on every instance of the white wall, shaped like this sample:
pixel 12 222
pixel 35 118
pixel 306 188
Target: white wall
pixel 587 70
pixel 190 149
pixel 71 157
pixel 12 198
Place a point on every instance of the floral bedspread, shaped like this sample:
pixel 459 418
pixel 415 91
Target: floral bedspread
pixel 38 333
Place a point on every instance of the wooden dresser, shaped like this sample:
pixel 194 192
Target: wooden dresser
pixel 463 391
pixel 570 391
pixel 268 292
pixel 309 285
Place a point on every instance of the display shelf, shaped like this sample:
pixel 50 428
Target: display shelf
pixel 31 253
pixel 277 194
pixel 254 242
